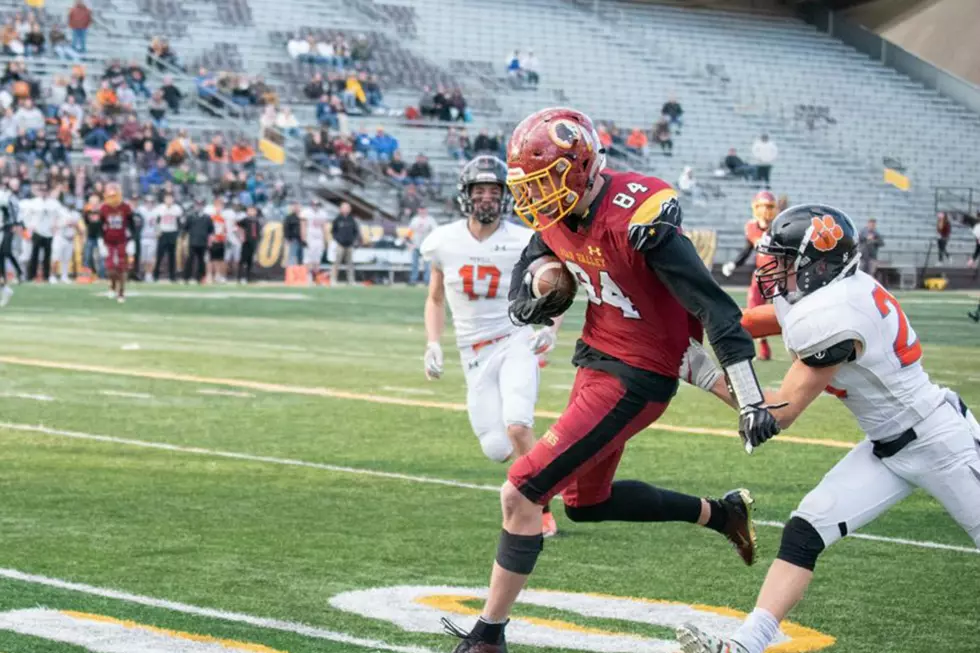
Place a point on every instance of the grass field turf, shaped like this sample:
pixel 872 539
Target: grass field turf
pixel 277 541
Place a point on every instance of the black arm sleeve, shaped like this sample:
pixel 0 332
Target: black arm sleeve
pixel 535 249
pixel 677 264
pixel 842 352
pixel 745 253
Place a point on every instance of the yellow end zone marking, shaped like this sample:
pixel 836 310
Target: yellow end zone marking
pixel 201 639
pixel 372 398
pixel 454 604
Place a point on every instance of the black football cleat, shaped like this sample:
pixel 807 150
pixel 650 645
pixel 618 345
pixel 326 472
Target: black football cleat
pixel 739 528
pixel 470 644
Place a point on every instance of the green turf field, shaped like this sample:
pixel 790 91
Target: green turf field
pixel 262 452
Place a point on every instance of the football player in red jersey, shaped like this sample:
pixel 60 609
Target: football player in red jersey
pixel 619 234
pixel 117 223
pixel 764 209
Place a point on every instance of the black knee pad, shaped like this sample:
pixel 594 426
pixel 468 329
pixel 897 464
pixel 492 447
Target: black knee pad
pixel 801 544
pixel 519 553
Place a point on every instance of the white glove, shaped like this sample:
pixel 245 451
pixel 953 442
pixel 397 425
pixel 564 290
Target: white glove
pixel 728 268
pixel 433 361
pixel 698 369
pixel 953 399
pixel 543 341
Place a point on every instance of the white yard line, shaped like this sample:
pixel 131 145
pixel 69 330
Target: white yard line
pixel 27 395
pixel 211 613
pixel 224 393
pixel 126 395
pixel 387 475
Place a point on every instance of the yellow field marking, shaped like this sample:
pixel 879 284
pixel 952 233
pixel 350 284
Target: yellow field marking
pixel 176 634
pixel 456 605
pixel 333 393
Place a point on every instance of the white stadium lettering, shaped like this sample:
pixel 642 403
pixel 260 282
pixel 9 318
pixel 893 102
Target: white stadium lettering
pixel 419 610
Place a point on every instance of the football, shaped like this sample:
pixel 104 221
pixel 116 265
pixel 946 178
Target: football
pixel 549 273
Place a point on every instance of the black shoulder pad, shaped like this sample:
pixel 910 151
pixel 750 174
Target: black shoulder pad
pixel 655 220
pixel 842 352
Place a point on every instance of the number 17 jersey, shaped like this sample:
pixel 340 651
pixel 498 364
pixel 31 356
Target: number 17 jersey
pixel 476 277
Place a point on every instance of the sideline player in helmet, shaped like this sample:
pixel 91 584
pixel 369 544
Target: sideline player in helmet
pixel 763 211
pixel 472 260
pixel 847 335
pixel 619 234
pixel 117 224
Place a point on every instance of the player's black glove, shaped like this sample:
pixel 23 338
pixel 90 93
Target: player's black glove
pixel 526 309
pixel 756 425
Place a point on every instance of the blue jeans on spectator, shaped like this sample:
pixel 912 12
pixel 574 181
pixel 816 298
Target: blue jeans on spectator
pixel 140 89
pixel 350 101
pixel 456 152
pixel 324 160
pixel 378 157
pixel 63 51
pixel 91 258
pixel 676 123
pixel 418 265
pixel 160 124
pixel 330 120
pixel 295 255
pixel 78 40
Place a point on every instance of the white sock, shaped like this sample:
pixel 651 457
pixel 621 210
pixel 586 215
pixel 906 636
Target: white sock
pixel 757 631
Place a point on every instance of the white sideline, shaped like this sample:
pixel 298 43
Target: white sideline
pixel 922 544
pixel 237 617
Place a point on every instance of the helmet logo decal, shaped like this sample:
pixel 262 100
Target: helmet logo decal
pixel 825 233
pixel 564 133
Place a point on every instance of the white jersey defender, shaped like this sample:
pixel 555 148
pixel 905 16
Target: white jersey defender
pixel 498 361
pixel 892 398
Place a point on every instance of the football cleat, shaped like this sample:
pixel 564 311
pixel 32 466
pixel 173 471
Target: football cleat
pixel 121 299
pixel 765 353
pixel 5 296
pixel 549 527
pixel 470 644
pixel 693 640
pixel 739 528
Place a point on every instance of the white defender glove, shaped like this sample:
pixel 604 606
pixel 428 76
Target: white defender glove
pixel 698 369
pixel 433 361
pixel 543 341
pixel 728 268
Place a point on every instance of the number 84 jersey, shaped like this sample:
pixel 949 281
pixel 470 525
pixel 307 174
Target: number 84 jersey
pixel 884 385
pixel 476 275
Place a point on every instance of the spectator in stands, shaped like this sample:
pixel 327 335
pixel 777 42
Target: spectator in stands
pixel 318 149
pixel 396 170
pixel 171 94
pixel 975 259
pixel 514 66
pixel 242 94
pixel 420 172
pixel 661 136
pixel 111 161
pixel 216 150
pixel 354 95
pixel 34 39
pixel 136 78
pixel 207 90
pixel 360 50
pixel 314 88
pixel 29 118
pixel 243 154
pixel 465 143
pixel 298 48
pixel 409 203
pixel 484 144
pixel 180 148
pixel 372 88
pixel 157 108
pixel 636 142
pixel 286 123
pixel 79 20
pixel 420 227
pixel 59 44
pixel 453 144
pixel 427 103
pixel 347 235
pixel 689 187
pixel 674 113
pixel 869 242
pixel 325 114
pixel 457 105
pixel 943 230
pixel 341 51
pixel 529 67
pixel 764 152
pixel 383 146
pixel 736 167
pixel 130 132
pixel 8 129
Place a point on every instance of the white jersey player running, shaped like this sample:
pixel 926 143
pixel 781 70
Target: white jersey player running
pixel 847 335
pixel 472 260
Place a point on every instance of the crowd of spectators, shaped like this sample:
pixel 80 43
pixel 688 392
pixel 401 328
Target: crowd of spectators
pixel 523 70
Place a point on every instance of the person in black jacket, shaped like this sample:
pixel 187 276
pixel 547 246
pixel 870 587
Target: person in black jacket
pixel 251 232
pixel 292 228
pixel 347 235
pixel 10 212
pixel 199 229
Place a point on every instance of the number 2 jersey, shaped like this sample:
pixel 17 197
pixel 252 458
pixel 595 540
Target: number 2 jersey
pixel 477 277
pixel 885 385
pixel 648 289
